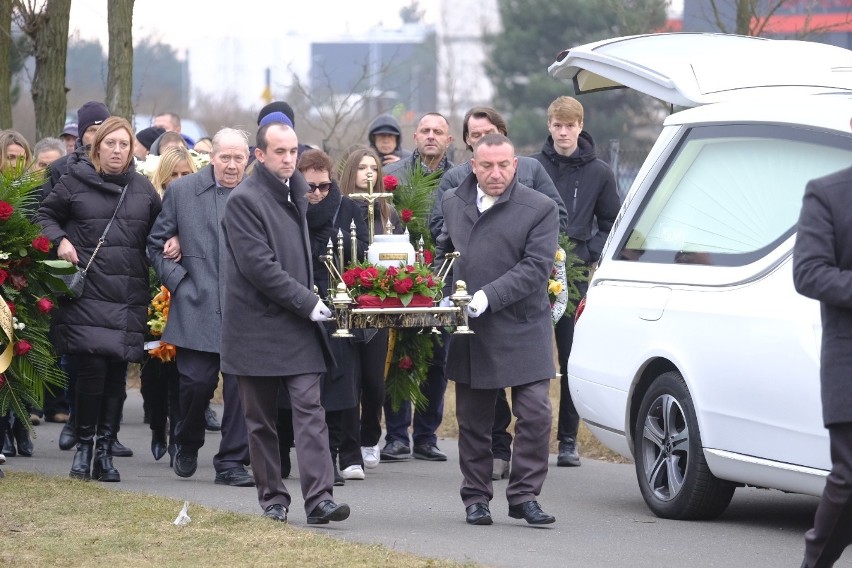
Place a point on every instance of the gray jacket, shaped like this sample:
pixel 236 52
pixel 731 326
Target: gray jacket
pixel 508 252
pixel 192 209
pixel 529 173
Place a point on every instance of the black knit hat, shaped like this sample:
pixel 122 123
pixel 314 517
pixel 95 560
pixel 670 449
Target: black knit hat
pixel 89 114
pixel 146 136
pixel 277 106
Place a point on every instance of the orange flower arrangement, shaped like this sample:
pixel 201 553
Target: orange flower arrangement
pixel 159 310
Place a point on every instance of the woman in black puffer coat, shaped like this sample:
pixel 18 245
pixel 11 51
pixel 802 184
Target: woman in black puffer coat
pixel 104 328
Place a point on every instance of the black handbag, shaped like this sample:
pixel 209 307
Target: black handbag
pixel 76 282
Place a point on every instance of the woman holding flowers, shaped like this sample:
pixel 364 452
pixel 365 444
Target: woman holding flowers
pixel 355 179
pixel 159 376
pixel 104 328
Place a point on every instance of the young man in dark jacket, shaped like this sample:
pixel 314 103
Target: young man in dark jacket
pixel 385 138
pixel 587 186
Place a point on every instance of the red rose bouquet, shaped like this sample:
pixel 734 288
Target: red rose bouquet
pixel 412 284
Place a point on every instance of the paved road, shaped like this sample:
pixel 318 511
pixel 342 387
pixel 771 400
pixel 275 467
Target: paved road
pixel 414 506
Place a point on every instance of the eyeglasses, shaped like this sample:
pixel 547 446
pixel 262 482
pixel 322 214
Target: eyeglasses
pixel 110 143
pixel 323 187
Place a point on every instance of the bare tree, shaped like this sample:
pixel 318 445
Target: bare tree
pixel 754 17
pixel 46 23
pixel 120 63
pixel 5 71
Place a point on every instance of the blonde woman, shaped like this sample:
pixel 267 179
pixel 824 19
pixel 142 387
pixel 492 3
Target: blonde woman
pixel 102 196
pixel 159 378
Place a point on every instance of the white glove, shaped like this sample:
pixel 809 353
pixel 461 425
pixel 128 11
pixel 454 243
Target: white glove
pixel 445 302
pixel 478 304
pixel 320 312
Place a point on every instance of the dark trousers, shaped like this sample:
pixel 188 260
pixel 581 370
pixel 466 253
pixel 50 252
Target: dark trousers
pixel 475 413
pixel 832 532
pixel 373 355
pixel 349 448
pixel 427 421
pixel 198 376
pixel 259 397
pixel 98 378
pixel 569 419
pixel 160 393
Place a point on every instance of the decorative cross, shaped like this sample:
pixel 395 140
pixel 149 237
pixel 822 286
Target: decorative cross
pixel 370 197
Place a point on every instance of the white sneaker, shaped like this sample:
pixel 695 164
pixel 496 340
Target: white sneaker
pixel 2 458
pixel 353 472
pixel 370 454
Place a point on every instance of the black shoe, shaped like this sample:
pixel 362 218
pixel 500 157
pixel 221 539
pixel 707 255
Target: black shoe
pixel 158 444
pixel 119 450
pixel 395 451
pixel 236 477
pixel 328 511
pixel 67 436
pixel 81 468
pixel 429 452
pixel 568 455
pixel 500 469
pixel 102 467
pixel 211 422
pixel 478 514
pixel 172 449
pixel 531 512
pixel 276 513
pixel 186 462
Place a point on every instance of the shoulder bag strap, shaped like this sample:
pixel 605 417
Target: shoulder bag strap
pixel 103 237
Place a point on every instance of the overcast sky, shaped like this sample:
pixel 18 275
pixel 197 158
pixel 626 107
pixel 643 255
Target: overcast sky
pixel 229 44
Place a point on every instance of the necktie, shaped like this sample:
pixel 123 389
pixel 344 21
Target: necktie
pixel 486 202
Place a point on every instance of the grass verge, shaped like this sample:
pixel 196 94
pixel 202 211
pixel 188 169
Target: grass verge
pixel 49 521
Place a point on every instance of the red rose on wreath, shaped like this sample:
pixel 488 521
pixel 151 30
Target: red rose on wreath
pixel 6 211
pixel 349 278
pixel 41 243
pixel 405 363
pixel 406 215
pixel 8 303
pixel 369 276
pixel 430 282
pixel 392 271
pixel 427 257
pixel 22 347
pixel 3 276
pixel 403 286
pixel 390 182
pixel 44 305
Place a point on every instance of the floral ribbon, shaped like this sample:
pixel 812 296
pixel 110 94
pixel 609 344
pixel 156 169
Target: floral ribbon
pixel 6 328
pixel 391 346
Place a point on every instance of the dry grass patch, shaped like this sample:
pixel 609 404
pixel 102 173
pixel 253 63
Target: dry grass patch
pixel 50 521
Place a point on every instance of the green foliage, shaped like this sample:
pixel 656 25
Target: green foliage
pixel 408 365
pixel 416 197
pixel 534 32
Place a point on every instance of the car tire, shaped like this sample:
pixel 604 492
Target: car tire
pixel 673 475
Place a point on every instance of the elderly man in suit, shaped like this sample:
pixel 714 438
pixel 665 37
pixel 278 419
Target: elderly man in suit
pixel 507 235
pixel 193 208
pixel 822 270
pixel 271 336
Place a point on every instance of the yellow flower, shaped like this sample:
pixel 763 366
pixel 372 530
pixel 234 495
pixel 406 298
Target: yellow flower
pixel 554 287
pixel 560 255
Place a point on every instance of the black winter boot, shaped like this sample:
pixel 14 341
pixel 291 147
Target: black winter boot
pixel 103 469
pixel 88 407
pixel 67 436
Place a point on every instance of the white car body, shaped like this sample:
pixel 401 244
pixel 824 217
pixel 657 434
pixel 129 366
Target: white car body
pixel 696 274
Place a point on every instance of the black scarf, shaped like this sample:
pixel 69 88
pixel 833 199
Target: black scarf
pixel 321 213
